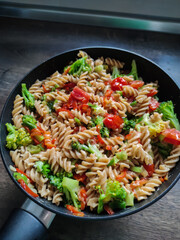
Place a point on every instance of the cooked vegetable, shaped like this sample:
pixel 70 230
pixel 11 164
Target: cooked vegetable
pixel 128 124
pixel 117 83
pixel 96 109
pixel 115 195
pixel 17 138
pixel 115 72
pixel 167 109
pixel 122 156
pixel 77 121
pixel 104 132
pixel 134 70
pixel 34 149
pixel 70 189
pixel 43 167
pixel 136 169
pixel 79 66
pixel 171 136
pixel 29 121
pixel 29 99
pixel 113 121
pixel 98 68
pixel 133 103
pixel 130 199
pixel 50 105
pixel 57 182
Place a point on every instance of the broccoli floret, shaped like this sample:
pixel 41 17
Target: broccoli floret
pixel 43 167
pixel 17 138
pixel 154 127
pixel 164 149
pixel 115 195
pixel 96 109
pixel 134 70
pixel 98 68
pixel 99 121
pixel 167 109
pixel 50 105
pixel 95 150
pixel 104 132
pixel 128 124
pixel 29 99
pixel 70 189
pixel 56 181
pixel 115 72
pixel 34 149
pixel 79 66
pixel 29 121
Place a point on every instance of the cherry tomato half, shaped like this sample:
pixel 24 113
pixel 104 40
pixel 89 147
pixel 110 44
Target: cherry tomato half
pixel 171 136
pixel 153 105
pixel 80 95
pixel 152 93
pixel 113 121
pixel 117 83
pixel 149 168
pixel 137 84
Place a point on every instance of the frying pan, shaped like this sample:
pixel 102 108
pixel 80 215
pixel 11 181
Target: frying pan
pixel 26 223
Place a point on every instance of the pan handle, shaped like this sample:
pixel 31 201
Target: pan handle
pixel 30 222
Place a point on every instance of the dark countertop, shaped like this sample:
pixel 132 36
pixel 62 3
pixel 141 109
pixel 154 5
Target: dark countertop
pixel 25 44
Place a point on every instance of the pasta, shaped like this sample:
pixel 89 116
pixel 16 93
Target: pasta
pixel 93 127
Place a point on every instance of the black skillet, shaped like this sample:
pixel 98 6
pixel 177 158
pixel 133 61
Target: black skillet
pixel 148 70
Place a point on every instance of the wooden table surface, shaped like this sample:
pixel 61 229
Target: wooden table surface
pixel 25 44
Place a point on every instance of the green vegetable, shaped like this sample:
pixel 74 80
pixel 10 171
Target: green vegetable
pixel 70 189
pixel 18 176
pixel 104 132
pixel 167 109
pixel 133 103
pixel 164 149
pixel 94 149
pixel 54 88
pixel 34 149
pixel 77 121
pixel 129 200
pixel 99 121
pixel 98 68
pixel 39 138
pixel 29 99
pixel 122 156
pixel 115 195
pixel 43 167
pixel 96 109
pixel 115 72
pixel 89 84
pixel 79 66
pixel 134 70
pixel 120 93
pixel 29 121
pixel 50 105
pixel 17 138
pixel 113 161
pixel 136 169
pixel 128 124
pixel 57 182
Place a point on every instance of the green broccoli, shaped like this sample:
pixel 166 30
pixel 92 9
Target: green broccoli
pixel 50 105
pixel 29 121
pixel 164 149
pixel 70 189
pixel 134 70
pixel 29 99
pixel 104 131
pixel 17 138
pixel 96 109
pixel 115 73
pixel 120 156
pixel 128 124
pixel 34 149
pixel 98 68
pixel 56 181
pixel 115 196
pixel 79 66
pixel 167 109
pixel 43 167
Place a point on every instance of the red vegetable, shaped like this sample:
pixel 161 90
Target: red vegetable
pixel 80 178
pixel 84 108
pixel 152 93
pixel 117 83
pixel 153 105
pixel 122 175
pixel 75 211
pixel 27 189
pixel 21 172
pixel 69 86
pixel 149 168
pixel 171 136
pixel 108 209
pixel 136 84
pixel 80 95
pixel 82 196
pixel 99 138
pixel 45 90
pixel 138 183
pixel 113 121
pixel 108 147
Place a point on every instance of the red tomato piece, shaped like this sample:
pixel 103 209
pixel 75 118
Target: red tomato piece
pixel 75 211
pixel 80 95
pixel 138 183
pixel 171 136
pixel 152 93
pixel 82 196
pixel 108 148
pixel 108 210
pixel 45 90
pixel 153 105
pixel 21 172
pixel 149 168
pixel 113 121
pixel 84 108
pixel 122 175
pixel 117 83
pixel 27 189
pixel 136 84
pixel 69 86
pixel 80 178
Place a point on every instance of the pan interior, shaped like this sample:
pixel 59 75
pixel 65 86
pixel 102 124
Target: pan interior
pixel 150 72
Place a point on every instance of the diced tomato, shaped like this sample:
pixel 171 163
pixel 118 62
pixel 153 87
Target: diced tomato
pixel 81 141
pixel 84 108
pixel 80 178
pixel 65 110
pixel 138 183
pixel 45 90
pixel 113 121
pixel 108 148
pixel 75 211
pixel 69 86
pixel 117 83
pixel 149 168
pixel 27 189
pixel 82 196
pixel 21 172
pixel 153 105
pixel 128 136
pixel 136 84
pixel 171 136
pixel 108 93
pixel 122 175
pixel 152 93
pixel 67 70
pixel 108 210
pixel 80 95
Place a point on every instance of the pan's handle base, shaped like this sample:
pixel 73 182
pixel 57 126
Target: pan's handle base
pixel 22 225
